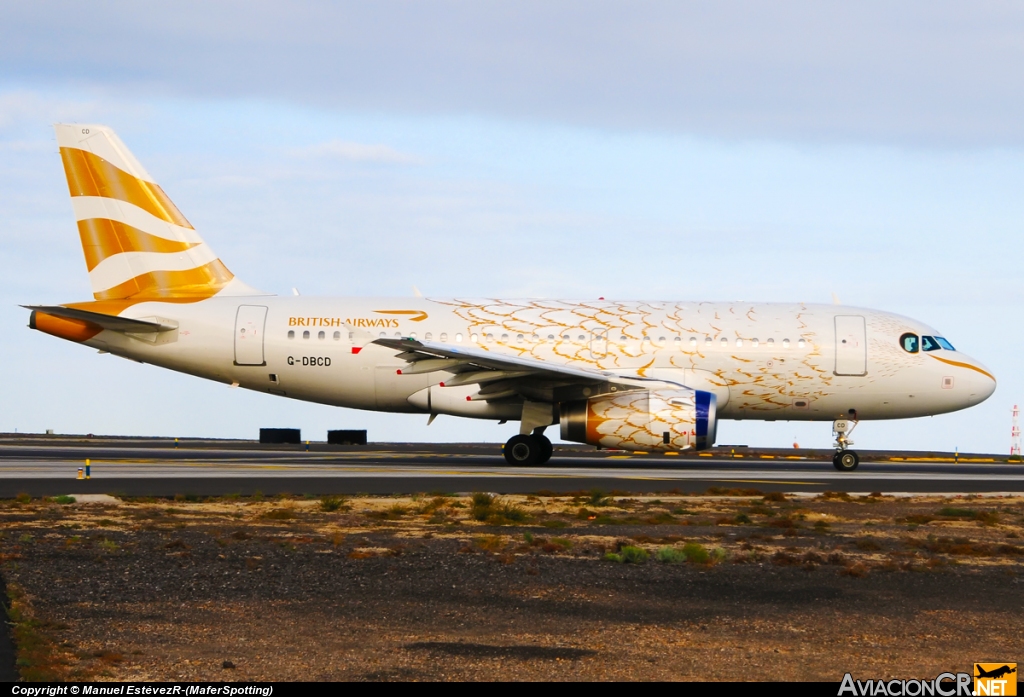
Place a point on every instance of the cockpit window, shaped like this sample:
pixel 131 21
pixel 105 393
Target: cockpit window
pixel 909 342
pixel 928 343
pixel 945 344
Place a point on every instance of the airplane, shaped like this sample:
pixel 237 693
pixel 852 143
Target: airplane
pixel 995 672
pixel 627 375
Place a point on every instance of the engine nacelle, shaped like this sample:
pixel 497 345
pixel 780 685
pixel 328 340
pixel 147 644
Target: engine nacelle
pixel 664 419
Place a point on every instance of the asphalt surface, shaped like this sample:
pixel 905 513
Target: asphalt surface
pixel 155 467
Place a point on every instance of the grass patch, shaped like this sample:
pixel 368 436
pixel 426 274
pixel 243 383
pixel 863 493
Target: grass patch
pixel 555 524
pixel 628 555
pixel 38 655
pixel 63 499
pixel 494 511
pixel 332 504
pixel 671 555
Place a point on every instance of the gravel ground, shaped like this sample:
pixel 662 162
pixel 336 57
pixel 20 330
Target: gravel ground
pixel 399 589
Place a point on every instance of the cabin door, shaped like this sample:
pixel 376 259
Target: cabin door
pixel 249 323
pixel 851 345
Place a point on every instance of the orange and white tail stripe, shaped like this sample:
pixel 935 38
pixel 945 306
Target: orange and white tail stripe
pixel 137 244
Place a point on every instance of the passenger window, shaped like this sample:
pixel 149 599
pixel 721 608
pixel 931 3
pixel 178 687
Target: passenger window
pixel 755 343
pixel 739 343
pixel 428 336
pixel 474 338
pixel 444 336
pixel 724 342
pixel 305 334
pixel 661 340
pixel 337 336
pixel 412 335
pixel 582 338
pixel 322 335
pixel 565 337
pixel 928 343
pixel 770 342
pixel 801 343
pixel 678 340
pixel 535 338
pixel 945 344
pixel 909 342
pixel 622 339
pixel 519 338
pixel 785 343
pixel 551 337
pixel 707 341
pixel 383 335
pixel 693 341
pixel 291 334
pixel 504 337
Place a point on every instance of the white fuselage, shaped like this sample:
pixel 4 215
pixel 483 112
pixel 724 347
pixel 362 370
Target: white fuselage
pixel 763 361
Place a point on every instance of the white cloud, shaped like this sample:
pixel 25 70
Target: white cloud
pixel 357 152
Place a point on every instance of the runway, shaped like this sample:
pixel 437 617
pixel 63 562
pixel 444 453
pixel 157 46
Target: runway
pixel 154 467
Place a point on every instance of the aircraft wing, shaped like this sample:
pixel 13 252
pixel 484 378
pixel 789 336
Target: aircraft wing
pixel 475 365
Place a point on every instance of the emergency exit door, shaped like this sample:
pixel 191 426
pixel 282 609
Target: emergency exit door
pixel 249 323
pixel 851 345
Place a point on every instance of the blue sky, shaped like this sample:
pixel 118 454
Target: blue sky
pixel 678 152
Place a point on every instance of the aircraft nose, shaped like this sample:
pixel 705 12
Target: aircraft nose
pixel 982 382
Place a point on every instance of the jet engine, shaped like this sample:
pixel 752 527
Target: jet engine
pixel 660 419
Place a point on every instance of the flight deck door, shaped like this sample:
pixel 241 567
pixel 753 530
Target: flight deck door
pixel 249 323
pixel 851 345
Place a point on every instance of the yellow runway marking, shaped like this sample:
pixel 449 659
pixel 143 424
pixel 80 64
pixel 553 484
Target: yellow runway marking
pixel 766 481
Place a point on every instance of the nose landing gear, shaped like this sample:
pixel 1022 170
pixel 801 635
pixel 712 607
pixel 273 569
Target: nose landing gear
pixel 844 460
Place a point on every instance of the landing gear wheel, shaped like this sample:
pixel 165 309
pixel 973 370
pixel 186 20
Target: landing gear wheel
pixel 523 450
pixel 845 460
pixel 545 449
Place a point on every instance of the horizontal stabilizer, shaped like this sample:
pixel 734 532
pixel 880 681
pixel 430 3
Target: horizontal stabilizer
pixel 112 322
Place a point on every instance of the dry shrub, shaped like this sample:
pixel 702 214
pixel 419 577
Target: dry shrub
pixel 775 496
pixel 837 559
pixel 490 543
pixel 361 554
pixel 917 519
pixel 782 558
pixel 782 522
pixel 835 496
pixel 337 538
pixel 953 545
pixel 720 491
pixel 109 657
pixel 867 544
pixel 857 570
pixel 279 514
pixel 434 504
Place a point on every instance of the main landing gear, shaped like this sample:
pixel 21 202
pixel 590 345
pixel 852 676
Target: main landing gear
pixel 845 460
pixel 526 450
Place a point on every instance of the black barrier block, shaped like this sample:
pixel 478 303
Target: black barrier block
pixel 346 437
pixel 280 435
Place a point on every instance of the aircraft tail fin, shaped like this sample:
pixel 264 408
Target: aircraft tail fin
pixel 137 244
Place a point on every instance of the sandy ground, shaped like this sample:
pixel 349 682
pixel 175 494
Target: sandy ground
pixel 522 588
